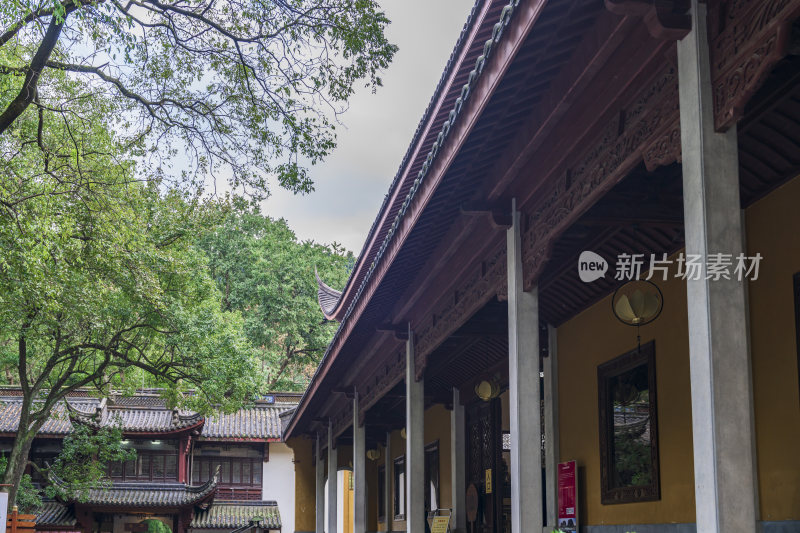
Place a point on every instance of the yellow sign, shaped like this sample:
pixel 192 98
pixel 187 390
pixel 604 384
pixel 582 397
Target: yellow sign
pixel 488 481
pixel 439 524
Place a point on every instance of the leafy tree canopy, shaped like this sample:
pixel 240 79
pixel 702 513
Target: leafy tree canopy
pixel 265 273
pixel 83 461
pixel 100 284
pixel 245 88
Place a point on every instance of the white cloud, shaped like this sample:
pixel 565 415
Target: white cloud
pixel 351 183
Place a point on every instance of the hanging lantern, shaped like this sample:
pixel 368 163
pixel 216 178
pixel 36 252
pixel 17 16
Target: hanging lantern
pixel 373 455
pixel 637 303
pixel 487 390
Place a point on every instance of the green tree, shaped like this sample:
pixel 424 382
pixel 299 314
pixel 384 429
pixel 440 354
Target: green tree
pixel 83 461
pixel 265 273
pixel 249 88
pixel 28 497
pixel 99 279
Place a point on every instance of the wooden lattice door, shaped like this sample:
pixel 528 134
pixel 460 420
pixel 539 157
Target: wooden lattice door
pixel 484 448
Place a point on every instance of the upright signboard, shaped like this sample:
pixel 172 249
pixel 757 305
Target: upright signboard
pixel 568 496
pixel 3 511
pixel 440 524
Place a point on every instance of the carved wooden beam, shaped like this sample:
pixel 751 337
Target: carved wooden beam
pixel 665 19
pixel 746 44
pixel 381 382
pixel 618 148
pixel 484 283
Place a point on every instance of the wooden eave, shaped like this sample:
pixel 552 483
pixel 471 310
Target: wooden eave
pixel 482 16
pixel 465 129
pixel 549 98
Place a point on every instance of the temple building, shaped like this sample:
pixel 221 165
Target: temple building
pixel 579 304
pixel 192 473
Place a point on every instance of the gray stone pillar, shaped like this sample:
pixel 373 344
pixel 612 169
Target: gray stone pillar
pixel 415 444
pixel 388 483
pixel 722 419
pixel 333 482
pixel 359 473
pixel 550 370
pixel 458 460
pixel 320 507
pixel 523 376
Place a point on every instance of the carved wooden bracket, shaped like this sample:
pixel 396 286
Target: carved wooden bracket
pixel 665 150
pixel 748 38
pixel 483 284
pixel 497 217
pixel 665 19
pixel 644 130
pixel 382 381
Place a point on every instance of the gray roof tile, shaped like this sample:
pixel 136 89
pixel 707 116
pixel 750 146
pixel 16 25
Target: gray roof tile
pixel 151 494
pixel 148 414
pixel 54 514
pixel 236 515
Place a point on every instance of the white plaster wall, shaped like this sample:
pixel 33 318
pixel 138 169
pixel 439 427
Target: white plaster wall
pixel 278 482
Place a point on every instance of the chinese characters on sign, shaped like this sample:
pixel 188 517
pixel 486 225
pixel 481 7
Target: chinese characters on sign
pixel 439 524
pixel 694 267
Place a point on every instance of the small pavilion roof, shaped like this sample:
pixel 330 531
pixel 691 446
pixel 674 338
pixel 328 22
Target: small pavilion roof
pixel 233 515
pixel 55 515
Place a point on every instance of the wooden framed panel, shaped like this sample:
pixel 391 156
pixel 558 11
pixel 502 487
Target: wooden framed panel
pixel 628 414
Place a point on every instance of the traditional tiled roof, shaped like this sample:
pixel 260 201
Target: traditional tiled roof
pixel 259 422
pixel 327 297
pixel 147 413
pixel 55 515
pixel 58 423
pixel 137 419
pixel 152 494
pixel 236 515
pixel 390 219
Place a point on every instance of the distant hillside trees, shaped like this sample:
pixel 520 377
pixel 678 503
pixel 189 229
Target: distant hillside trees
pixel 265 273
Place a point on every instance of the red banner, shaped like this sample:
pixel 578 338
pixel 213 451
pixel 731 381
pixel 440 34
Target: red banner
pixel 568 496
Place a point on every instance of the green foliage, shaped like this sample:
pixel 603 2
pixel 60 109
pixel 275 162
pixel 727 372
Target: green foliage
pixel 246 88
pixel 265 273
pixel 84 459
pixel 156 526
pixel 101 284
pixel 28 498
pixel 632 461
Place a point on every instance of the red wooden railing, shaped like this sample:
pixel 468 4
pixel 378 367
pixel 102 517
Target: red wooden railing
pixel 20 523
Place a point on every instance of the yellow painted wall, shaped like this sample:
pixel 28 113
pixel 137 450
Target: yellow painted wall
pixel 347 502
pixel 437 428
pixel 304 484
pixel 773 230
pixel 594 337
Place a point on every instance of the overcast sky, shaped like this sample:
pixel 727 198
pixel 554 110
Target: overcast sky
pixel 351 183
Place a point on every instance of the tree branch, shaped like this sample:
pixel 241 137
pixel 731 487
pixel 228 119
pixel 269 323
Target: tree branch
pixel 29 86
